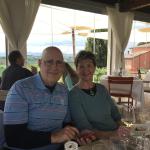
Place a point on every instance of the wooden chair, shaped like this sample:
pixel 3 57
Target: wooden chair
pixel 3 94
pixel 113 87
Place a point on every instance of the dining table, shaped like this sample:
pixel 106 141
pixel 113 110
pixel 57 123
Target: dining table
pixel 131 143
pixel 138 139
pixel 137 90
pixel 103 144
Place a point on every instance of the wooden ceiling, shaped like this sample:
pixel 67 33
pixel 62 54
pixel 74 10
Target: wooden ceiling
pixel 129 5
pixel 140 7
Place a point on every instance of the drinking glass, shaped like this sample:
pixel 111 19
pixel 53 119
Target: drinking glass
pixel 139 143
pixel 146 144
pixel 144 115
pixel 118 144
pixel 128 116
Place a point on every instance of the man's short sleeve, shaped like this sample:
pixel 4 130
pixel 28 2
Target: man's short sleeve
pixel 16 106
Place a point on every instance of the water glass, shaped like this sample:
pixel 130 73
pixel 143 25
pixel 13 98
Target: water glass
pixel 139 143
pixel 146 144
pixel 119 144
pixel 144 115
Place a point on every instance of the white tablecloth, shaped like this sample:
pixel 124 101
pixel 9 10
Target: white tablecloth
pixel 137 90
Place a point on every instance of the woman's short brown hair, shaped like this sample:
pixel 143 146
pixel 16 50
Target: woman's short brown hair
pixel 82 55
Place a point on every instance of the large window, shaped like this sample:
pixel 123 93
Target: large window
pixel 137 54
pixel 70 30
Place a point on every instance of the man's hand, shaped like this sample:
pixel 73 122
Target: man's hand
pixel 33 69
pixel 65 134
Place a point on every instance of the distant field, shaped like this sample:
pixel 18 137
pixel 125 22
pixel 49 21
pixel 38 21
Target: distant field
pixel 2 67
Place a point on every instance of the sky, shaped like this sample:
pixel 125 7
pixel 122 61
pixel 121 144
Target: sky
pixel 51 22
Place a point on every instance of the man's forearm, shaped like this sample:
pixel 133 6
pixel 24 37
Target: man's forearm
pixel 21 137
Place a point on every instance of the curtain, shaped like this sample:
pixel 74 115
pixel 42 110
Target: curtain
pixel 17 18
pixel 121 24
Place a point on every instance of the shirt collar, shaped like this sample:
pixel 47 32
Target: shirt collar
pixel 39 82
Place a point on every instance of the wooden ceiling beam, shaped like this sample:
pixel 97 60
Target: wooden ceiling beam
pixel 129 5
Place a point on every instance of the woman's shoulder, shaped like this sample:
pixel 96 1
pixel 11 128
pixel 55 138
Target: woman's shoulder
pixel 100 86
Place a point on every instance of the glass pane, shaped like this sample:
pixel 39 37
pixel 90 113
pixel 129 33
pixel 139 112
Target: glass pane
pixel 71 31
pixel 2 51
pixel 137 53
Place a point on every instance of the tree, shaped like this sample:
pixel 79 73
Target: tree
pixel 100 50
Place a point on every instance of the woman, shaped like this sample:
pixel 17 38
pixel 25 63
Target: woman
pixel 91 106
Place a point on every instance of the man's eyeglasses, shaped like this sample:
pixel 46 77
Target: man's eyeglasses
pixel 49 63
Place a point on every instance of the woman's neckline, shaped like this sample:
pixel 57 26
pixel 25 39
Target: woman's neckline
pixel 85 85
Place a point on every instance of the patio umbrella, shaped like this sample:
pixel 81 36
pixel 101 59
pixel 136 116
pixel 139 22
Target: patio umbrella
pixel 99 35
pixel 145 29
pixel 73 29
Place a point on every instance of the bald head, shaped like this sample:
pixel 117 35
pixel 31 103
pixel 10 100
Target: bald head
pixel 51 49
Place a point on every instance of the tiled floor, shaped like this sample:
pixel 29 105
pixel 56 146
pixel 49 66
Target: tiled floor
pixel 146 97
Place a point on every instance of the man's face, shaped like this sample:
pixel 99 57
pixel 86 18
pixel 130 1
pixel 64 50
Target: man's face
pixel 51 66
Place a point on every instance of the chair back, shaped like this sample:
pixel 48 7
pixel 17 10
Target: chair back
pixel 115 82
pixel 3 94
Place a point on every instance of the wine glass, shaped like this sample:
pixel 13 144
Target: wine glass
pixel 128 116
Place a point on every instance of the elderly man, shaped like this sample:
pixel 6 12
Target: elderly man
pixel 37 107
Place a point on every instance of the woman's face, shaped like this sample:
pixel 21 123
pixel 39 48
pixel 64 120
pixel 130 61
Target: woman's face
pixel 85 70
